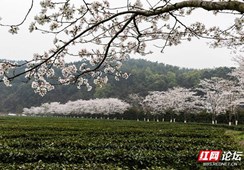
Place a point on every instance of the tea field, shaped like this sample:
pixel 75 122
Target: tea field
pixel 69 143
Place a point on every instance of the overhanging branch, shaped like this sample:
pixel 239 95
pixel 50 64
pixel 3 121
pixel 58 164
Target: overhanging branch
pixel 235 6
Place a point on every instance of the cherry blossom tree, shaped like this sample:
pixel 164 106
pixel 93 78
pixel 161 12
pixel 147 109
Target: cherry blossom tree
pixel 233 99
pixel 222 96
pixel 102 107
pixel 181 100
pixel 113 33
pixel 154 103
pixel 110 106
pixel 213 90
pixel 176 100
pixel 53 108
pixel 160 102
pixel 238 72
pixel 187 101
pixel 234 90
pixel 173 100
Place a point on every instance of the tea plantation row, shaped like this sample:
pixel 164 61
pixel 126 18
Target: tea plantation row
pixel 66 143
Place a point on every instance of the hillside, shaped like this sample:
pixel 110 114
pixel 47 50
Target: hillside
pixel 145 76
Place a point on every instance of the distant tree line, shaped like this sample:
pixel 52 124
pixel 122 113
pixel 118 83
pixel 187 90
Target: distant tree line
pixel 98 108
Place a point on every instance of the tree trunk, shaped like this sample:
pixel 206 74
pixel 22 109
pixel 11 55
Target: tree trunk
pixel 230 117
pixel 236 119
pixel 236 122
pixel 213 118
pixel 184 117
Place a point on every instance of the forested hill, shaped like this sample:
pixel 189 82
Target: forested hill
pixel 145 76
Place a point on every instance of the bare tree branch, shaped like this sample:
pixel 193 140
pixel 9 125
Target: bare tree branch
pixel 25 17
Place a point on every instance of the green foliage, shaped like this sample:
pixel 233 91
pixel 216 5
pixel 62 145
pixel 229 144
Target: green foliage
pixel 65 143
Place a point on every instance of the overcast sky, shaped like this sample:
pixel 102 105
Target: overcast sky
pixel 195 54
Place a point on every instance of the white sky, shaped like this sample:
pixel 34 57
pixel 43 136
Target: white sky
pixel 195 54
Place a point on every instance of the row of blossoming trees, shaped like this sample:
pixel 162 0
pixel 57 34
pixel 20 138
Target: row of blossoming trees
pixel 215 96
pixel 95 107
